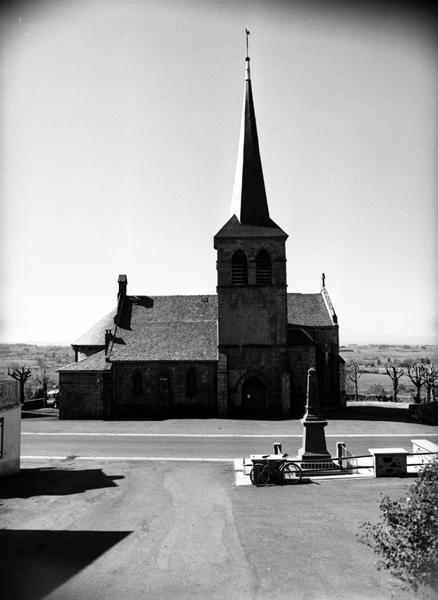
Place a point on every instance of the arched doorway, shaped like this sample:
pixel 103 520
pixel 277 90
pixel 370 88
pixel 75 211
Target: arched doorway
pixel 253 398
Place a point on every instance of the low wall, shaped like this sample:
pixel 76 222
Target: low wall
pixel 33 404
pixel 377 398
pixel 426 412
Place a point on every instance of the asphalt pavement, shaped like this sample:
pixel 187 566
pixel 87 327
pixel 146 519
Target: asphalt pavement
pixel 43 435
pixel 165 531
pixel 78 524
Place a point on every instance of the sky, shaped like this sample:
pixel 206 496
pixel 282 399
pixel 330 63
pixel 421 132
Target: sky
pixel 119 133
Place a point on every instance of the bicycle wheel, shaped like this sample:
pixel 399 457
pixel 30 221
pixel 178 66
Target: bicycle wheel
pixel 259 474
pixel 292 473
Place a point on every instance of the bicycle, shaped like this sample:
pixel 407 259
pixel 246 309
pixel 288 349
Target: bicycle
pixel 275 470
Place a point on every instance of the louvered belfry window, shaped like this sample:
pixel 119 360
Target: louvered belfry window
pixel 239 268
pixel 263 268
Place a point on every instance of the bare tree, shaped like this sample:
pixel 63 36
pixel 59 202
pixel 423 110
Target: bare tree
pixel 394 372
pixel 354 374
pixel 417 374
pixel 431 376
pixel 21 375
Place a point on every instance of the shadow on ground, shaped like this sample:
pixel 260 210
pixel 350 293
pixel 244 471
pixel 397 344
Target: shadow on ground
pixel 370 413
pixel 55 482
pixel 34 563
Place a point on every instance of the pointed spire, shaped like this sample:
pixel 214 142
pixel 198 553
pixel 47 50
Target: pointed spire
pixel 249 195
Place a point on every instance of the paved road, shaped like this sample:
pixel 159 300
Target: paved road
pixel 140 445
pixel 98 529
pixel 44 435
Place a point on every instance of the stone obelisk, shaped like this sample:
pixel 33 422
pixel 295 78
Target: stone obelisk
pixel 314 445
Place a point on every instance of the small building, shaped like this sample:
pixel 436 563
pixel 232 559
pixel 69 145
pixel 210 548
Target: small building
pixel 242 352
pixel 10 428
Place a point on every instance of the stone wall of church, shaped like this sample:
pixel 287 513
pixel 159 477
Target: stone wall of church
pixel 325 358
pixel 301 359
pixel 328 366
pixel 268 364
pixel 252 314
pixel 252 320
pixel 153 390
pixel 81 395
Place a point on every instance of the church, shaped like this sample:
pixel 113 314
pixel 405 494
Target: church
pixel 241 353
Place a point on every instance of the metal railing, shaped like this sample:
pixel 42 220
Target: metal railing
pixel 345 465
pixel 348 464
pixel 414 463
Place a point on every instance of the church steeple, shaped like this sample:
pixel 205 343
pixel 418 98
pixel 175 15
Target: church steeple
pixel 249 196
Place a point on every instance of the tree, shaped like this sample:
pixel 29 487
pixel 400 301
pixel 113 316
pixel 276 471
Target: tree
pixel 354 374
pixel 406 538
pixel 21 375
pixel 43 379
pixel 416 374
pixel 430 377
pixel 394 372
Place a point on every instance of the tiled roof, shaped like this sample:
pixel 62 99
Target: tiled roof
pixel 179 328
pixel 167 341
pixel 156 309
pixel 233 228
pixel 167 328
pixel 308 309
pixel 96 335
pixel 95 362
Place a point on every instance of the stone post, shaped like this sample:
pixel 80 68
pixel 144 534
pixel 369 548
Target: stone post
pixel 314 445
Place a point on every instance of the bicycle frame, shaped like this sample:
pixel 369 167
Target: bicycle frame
pixel 274 469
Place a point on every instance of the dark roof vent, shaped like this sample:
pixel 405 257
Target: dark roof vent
pixel 204 298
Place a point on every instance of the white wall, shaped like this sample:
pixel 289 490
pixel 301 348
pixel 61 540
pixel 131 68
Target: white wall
pixel 10 461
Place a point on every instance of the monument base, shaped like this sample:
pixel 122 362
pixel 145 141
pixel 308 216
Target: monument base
pixel 314 445
pixel 303 455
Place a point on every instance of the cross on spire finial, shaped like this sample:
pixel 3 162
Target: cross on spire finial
pixel 247 71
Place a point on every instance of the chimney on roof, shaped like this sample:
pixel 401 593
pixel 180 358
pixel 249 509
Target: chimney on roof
pixel 108 337
pixel 123 283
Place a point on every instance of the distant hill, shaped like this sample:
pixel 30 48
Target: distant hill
pixel 37 358
pixel 371 354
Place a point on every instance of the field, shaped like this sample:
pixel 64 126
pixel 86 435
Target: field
pixel 38 359
pixel 373 359
pixel 368 383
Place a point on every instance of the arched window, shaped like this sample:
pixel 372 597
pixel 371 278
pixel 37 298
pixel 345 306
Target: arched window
pixel 191 382
pixel 263 268
pixel 136 384
pixel 239 268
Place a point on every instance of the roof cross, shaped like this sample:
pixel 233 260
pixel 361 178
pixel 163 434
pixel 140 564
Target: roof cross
pixel 247 33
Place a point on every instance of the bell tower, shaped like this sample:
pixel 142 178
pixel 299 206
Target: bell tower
pixel 251 287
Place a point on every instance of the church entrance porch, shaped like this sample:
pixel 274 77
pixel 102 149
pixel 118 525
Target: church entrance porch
pixel 253 398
